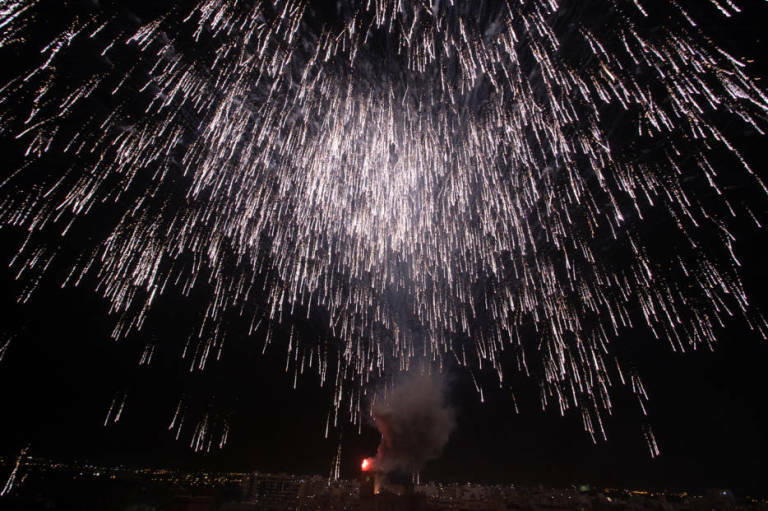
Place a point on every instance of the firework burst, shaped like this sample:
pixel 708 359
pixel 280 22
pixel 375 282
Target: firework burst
pixel 461 183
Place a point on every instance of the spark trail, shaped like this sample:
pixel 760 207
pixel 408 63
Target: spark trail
pixel 480 170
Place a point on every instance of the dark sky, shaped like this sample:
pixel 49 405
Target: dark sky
pixel 708 410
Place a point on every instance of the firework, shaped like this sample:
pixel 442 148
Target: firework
pixel 445 181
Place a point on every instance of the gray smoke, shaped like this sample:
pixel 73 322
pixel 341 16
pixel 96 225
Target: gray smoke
pixel 415 424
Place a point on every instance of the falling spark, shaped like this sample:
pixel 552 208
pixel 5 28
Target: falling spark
pixel 12 478
pixel 4 345
pixel 336 466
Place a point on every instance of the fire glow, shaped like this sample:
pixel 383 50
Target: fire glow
pixel 367 464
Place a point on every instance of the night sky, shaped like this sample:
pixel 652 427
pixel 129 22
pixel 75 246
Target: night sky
pixel 61 372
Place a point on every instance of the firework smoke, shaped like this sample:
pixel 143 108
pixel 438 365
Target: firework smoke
pixel 415 423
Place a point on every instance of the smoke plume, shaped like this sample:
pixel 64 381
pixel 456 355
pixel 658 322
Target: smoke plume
pixel 415 424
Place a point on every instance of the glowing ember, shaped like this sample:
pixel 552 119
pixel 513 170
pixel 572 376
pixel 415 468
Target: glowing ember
pixel 367 464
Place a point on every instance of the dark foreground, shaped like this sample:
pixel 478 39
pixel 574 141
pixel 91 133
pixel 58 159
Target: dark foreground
pixel 86 488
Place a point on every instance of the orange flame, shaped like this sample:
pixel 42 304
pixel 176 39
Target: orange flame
pixel 367 463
